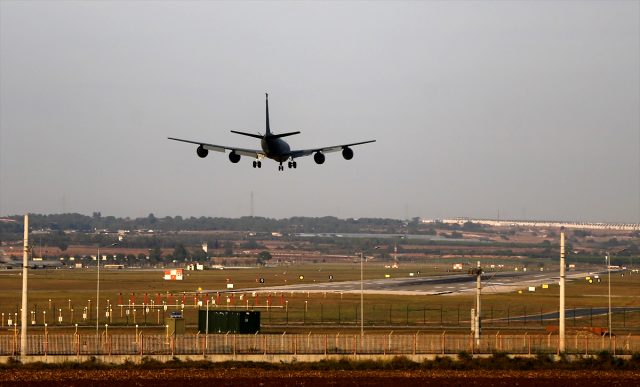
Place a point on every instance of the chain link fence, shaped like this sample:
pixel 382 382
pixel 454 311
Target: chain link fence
pixel 313 344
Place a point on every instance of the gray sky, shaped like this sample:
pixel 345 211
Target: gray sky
pixel 531 109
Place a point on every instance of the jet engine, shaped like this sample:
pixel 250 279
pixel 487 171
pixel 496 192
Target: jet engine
pixel 347 153
pixel 318 157
pixel 202 152
pixel 234 157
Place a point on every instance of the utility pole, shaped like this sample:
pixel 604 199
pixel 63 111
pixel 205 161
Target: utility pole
pixel 361 296
pixel 561 330
pixel 476 323
pixel 98 293
pixel 25 273
pixel 608 260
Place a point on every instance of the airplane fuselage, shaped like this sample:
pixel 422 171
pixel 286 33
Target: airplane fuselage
pixel 275 149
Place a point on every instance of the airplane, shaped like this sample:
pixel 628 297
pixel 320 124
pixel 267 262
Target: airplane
pixel 7 262
pixel 273 147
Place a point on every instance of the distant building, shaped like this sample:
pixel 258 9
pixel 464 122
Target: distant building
pixel 540 223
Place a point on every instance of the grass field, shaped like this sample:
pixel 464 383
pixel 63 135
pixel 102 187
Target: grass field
pixel 71 293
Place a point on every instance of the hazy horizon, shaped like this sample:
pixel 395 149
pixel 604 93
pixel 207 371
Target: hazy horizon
pixel 480 109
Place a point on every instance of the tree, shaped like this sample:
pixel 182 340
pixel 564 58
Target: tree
pixel 155 255
pixel 228 248
pixel 263 257
pixel 180 253
pixel 198 254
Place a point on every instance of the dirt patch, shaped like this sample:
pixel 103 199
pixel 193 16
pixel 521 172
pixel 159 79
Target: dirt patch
pixel 267 378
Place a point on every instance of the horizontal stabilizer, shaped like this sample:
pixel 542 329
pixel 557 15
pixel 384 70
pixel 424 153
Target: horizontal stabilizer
pixel 283 135
pixel 247 134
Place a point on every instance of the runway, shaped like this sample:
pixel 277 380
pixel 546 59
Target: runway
pixel 493 282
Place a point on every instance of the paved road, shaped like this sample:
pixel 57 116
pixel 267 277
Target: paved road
pixel 496 282
pixel 571 313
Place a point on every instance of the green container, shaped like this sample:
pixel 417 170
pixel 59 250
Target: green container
pixel 176 326
pixel 228 321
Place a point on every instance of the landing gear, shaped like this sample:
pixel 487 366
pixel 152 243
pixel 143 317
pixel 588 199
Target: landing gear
pixel 257 164
pixel 290 164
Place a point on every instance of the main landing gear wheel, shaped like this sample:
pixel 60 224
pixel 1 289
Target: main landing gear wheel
pixel 257 164
pixel 292 164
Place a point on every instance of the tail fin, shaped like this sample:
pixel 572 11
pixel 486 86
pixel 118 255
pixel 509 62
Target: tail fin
pixel 268 129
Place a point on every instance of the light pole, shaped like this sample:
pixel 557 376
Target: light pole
pixel 361 296
pixel 475 320
pixel 362 292
pixel 608 262
pixel 98 293
pixel 561 315
pixel 206 335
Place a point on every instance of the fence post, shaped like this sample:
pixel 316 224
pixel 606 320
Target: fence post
pixel 234 344
pixel 77 345
pixel 264 341
pixel 586 345
pixel 141 344
pixel 355 345
pixel 173 345
pixel 325 344
pixel 415 342
pixel 443 338
pixel 529 337
pixel 295 344
pixel 384 347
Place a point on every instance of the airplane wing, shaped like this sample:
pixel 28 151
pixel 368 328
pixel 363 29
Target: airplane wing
pixel 327 149
pixel 255 153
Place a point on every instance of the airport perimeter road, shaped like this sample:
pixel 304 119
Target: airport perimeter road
pixel 496 282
